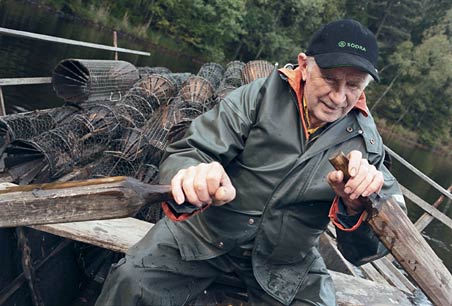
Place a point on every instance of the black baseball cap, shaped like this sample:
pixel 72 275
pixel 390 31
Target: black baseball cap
pixel 345 43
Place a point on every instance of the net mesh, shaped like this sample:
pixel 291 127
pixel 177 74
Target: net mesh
pixel 78 80
pixel 212 72
pixel 146 71
pixel 256 69
pixel 109 137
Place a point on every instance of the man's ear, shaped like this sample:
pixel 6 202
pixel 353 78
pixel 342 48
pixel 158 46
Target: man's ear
pixel 302 64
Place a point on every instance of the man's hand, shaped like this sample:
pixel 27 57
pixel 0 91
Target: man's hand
pixel 364 180
pixel 203 184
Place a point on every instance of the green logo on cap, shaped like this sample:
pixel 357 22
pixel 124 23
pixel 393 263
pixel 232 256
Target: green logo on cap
pixel 343 44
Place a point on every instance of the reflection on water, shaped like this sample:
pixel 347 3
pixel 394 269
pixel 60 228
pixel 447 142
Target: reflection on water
pixel 22 57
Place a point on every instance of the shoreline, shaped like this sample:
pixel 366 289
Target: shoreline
pixel 406 139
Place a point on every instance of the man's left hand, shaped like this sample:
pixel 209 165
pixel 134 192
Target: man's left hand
pixel 364 180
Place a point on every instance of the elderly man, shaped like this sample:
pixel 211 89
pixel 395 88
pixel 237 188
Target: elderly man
pixel 256 167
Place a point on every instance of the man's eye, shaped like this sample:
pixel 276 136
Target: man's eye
pixel 328 79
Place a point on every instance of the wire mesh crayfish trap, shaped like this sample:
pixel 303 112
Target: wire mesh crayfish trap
pixel 212 72
pixel 55 152
pixel 233 74
pixel 196 90
pixel 256 69
pixel 29 124
pixel 81 80
pixel 163 87
pixel 232 78
pixel 146 71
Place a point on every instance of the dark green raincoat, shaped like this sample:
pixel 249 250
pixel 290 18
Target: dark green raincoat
pixel 283 197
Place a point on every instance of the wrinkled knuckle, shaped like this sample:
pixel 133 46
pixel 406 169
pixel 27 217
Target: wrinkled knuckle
pixel 211 177
pixel 199 187
pixel 187 183
pixel 216 165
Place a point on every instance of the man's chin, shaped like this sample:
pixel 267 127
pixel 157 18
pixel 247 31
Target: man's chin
pixel 328 118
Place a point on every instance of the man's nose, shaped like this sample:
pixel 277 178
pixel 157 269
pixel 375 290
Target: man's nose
pixel 338 94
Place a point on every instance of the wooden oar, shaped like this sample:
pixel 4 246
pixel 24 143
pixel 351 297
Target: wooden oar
pixel 94 199
pixel 406 244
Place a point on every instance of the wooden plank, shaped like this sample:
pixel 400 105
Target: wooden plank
pixel 17 33
pixel 419 173
pixel 373 274
pixel 4 185
pixel 93 199
pixel 399 235
pixel 353 291
pixel 426 218
pixel 115 234
pixel 25 81
pixel 411 250
pixel 121 234
pixel 427 207
pixel 393 275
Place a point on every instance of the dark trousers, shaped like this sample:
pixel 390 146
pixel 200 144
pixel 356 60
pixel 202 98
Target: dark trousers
pixel 153 273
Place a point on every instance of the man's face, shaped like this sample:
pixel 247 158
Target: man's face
pixel 331 93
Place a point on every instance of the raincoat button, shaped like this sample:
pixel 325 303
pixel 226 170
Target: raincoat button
pixel 250 221
pixel 349 129
pixel 372 141
pixel 221 244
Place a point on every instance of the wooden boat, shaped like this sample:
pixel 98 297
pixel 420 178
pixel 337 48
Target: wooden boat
pixel 118 235
pixel 378 283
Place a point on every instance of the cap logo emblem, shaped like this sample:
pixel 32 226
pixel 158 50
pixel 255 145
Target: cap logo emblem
pixel 343 44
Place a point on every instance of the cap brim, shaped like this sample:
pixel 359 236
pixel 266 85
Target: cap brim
pixel 338 59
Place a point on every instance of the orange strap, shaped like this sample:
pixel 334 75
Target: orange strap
pixel 333 217
pixel 181 217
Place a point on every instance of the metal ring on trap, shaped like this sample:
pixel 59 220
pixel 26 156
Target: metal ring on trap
pixel 80 80
pixel 161 86
pixel 256 69
pixel 140 103
pixel 196 89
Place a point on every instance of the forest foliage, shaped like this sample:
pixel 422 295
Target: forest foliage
pixel 414 37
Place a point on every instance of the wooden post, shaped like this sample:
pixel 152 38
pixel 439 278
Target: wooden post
pixel 2 103
pixel 426 218
pixel 115 43
pixel 399 235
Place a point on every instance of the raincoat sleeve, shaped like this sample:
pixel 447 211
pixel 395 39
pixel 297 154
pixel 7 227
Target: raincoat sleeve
pixel 217 135
pixel 356 240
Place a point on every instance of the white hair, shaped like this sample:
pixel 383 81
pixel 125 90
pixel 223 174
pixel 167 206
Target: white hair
pixel 310 62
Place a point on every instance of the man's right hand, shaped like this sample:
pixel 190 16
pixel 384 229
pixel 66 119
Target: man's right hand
pixel 202 184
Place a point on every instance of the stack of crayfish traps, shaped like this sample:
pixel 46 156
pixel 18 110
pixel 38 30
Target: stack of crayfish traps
pixel 117 120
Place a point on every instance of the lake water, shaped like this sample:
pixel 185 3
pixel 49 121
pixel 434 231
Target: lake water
pixel 20 57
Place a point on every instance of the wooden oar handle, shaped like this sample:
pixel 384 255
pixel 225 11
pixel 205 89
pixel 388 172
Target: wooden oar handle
pixel 340 162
